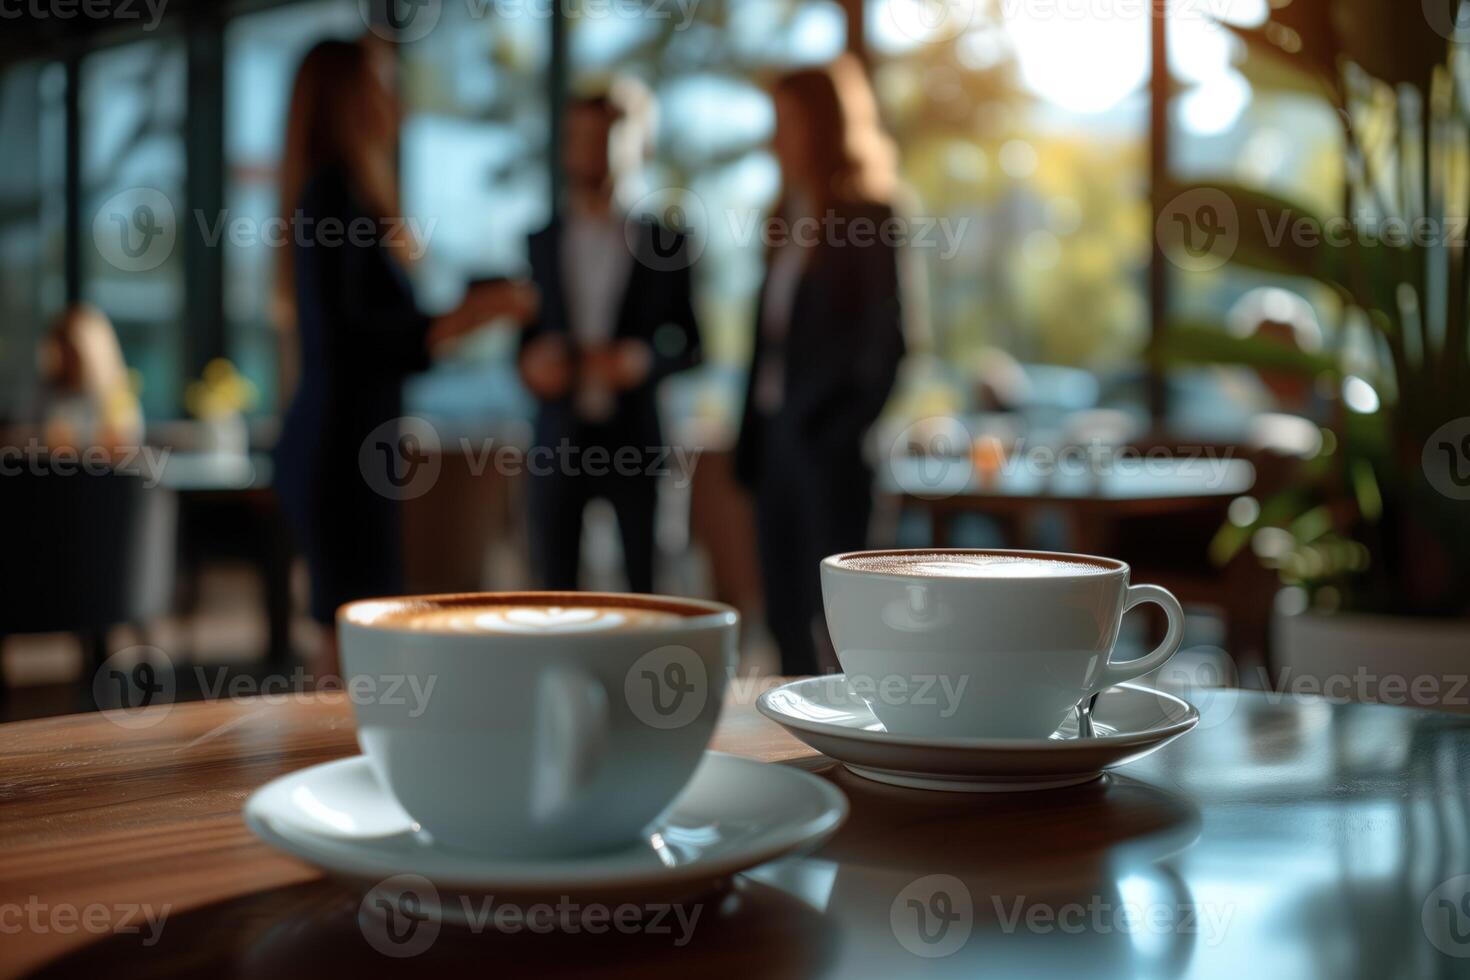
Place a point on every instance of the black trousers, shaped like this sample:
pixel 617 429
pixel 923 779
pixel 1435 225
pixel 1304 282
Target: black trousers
pixel 557 503
pixel 806 509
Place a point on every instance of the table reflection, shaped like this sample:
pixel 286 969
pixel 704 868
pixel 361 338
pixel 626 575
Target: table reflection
pixel 322 929
pixel 1072 882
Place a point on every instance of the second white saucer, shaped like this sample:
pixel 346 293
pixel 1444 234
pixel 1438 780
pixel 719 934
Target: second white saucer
pixel 1130 721
pixel 735 813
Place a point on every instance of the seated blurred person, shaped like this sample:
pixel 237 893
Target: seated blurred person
pixel 358 329
pixel 616 319
pixel 87 397
pixel 828 341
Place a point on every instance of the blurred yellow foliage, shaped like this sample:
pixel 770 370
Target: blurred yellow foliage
pixel 222 392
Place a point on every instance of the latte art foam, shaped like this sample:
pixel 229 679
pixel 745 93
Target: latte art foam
pixel 532 620
pixel 977 565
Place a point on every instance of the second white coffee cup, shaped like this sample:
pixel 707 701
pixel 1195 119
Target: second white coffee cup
pixel 983 644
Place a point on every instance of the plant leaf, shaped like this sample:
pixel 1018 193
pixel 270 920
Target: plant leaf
pixel 1187 342
pixel 1256 229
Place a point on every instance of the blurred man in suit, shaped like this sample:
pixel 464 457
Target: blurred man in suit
pixel 616 319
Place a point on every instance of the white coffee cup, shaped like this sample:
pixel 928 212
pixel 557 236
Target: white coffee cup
pixel 1005 652
pixel 536 724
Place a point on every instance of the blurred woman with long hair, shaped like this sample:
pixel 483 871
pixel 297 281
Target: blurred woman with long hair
pixel 87 393
pixel 342 286
pixel 827 344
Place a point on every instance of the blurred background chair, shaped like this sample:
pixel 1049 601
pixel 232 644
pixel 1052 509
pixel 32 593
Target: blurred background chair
pixel 89 551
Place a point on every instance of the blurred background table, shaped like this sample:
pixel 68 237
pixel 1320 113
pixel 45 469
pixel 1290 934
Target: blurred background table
pixel 1156 511
pixel 227 509
pixel 945 488
pixel 1280 838
pixel 196 472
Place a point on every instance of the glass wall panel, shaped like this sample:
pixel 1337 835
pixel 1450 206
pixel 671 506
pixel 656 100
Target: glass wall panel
pixel 133 103
pixel 32 218
pixel 475 182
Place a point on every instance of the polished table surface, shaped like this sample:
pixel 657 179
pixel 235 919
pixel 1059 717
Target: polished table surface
pixel 1283 837
pixel 196 472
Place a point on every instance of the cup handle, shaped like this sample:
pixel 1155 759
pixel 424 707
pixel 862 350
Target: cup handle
pixel 571 729
pixel 1117 673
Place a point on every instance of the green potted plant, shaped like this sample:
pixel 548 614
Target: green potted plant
pixel 1372 537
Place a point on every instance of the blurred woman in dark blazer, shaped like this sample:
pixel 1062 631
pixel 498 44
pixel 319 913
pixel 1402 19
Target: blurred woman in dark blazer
pixel 342 284
pixel 828 342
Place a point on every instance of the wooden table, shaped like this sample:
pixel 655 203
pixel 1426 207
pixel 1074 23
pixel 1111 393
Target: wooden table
pixel 1281 838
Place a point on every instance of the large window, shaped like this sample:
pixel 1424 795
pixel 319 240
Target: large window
pixel 133 106
pixel 1026 127
pixel 1231 130
pixel 475 182
pixel 32 218
pixel 1024 139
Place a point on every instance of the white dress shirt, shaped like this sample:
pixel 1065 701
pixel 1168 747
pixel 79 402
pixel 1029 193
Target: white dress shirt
pixel 594 269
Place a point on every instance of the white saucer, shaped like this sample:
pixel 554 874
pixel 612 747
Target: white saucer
pixel 1130 720
pixel 735 814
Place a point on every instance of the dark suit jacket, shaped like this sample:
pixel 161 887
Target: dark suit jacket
pixel 657 308
pixel 842 350
pixel 360 335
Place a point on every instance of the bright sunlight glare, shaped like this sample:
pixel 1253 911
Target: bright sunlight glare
pixel 1086 56
pixel 1086 62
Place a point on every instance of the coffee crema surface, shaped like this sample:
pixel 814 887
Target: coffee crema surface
pixel 972 565
pixel 528 619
